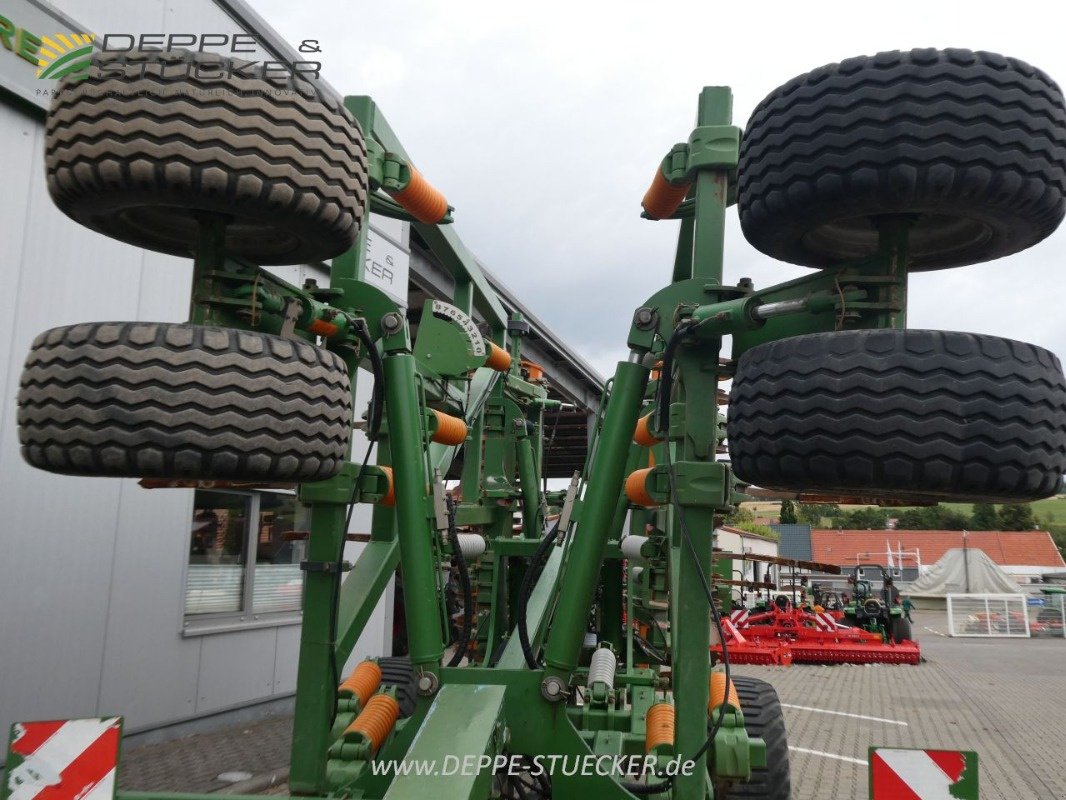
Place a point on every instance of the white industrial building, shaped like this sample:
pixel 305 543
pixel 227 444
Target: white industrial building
pixel 166 606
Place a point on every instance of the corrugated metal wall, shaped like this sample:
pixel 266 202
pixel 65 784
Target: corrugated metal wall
pixel 92 571
pixel 795 540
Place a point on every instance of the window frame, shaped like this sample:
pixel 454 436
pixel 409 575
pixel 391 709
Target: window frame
pixel 246 618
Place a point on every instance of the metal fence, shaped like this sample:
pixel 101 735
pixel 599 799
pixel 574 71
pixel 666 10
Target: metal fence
pixel 999 615
pixel 1047 615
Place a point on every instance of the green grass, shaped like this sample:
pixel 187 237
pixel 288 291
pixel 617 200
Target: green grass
pixel 1053 507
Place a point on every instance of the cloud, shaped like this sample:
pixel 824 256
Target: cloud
pixel 543 123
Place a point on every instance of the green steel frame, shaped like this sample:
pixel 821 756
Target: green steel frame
pixel 588 592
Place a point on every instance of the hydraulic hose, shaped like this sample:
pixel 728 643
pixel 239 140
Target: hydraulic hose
pixel 526 590
pixel 459 563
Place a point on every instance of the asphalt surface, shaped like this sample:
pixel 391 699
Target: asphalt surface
pixel 1004 699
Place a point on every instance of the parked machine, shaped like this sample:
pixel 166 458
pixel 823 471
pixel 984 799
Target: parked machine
pixel 877 610
pixel 788 628
pixel 578 638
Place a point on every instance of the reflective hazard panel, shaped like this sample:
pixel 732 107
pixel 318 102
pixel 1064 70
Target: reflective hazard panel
pixel 73 759
pixel 899 774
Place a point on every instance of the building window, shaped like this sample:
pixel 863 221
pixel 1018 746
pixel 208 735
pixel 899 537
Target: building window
pixel 245 550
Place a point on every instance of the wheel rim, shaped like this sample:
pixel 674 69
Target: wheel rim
pixel 933 238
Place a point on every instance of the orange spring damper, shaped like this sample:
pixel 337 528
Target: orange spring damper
pixel 421 200
pixel 362 683
pixel 643 435
pixel 375 721
pixel 533 370
pixel 390 496
pixel 636 490
pixel 499 359
pixel 450 430
pixel 662 198
pixel 659 727
pixel 719 695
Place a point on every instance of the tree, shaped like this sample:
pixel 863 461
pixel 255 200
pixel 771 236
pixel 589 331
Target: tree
pixel 984 517
pixel 871 518
pixel 761 530
pixel 932 518
pixel 740 515
pixel 952 520
pixel 812 513
pixel 1016 517
pixel 788 513
pixel 912 519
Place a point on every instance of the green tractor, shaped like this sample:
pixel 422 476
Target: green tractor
pixel 880 612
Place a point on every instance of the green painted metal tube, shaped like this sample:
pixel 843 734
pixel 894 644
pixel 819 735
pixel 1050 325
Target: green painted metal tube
pixel 606 477
pixel 683 257
pixel 708 245
pixel 361 591
pixel 421 604
pixel 529 484
pixel 315 689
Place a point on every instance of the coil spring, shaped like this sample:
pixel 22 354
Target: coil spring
pixel 719 695
pixel 421 200
pixel 499 359
pixel 659 727
pixel 632 544
pixel 663 197
pixel 450 430
pixel 643 435
pixel 376 720
pixel 390 496
pixel 472 545
pixel 602 667
pixel 636 489
pixel 362 683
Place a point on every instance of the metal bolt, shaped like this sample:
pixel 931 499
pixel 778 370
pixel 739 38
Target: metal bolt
pixel 745 283
pixel 552 689
pixel 391 322
pixel 427 684
pixel 644 318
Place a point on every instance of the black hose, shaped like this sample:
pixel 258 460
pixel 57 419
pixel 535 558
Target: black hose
pixel 666 377
pixel 647 788
pixel 377 398
pixel 648 649
pixel 526 590
pixel 459 563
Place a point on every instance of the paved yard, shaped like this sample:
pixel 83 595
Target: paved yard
pixel 1006 699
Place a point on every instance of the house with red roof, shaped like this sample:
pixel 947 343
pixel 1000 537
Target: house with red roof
pixel 1024 555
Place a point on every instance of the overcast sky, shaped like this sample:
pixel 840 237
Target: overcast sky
pixel 543 122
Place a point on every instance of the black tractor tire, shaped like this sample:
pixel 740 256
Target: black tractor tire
pixel 970 145
pixel 165 400
pixel 900 414
pixel 152 142
pixel 763 718
pixel 901 630
pixel 397 672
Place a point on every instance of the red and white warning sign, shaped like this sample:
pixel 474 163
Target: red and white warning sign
pixel 739 617
pixel 62 760
pixel 899 774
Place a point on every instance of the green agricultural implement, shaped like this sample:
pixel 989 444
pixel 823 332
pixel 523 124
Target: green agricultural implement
pixel 581 666
pixel 876 609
